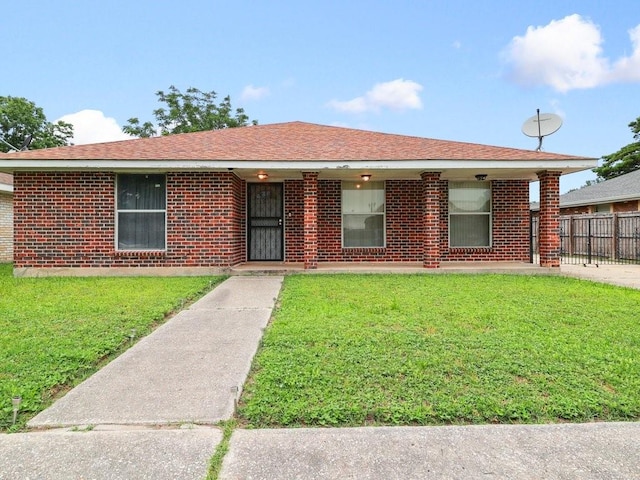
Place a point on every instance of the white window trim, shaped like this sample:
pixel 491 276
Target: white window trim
pixel 118 211
pixel 489 214
pixel 383 213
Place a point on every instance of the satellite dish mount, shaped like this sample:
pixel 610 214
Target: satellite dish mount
pixel 541 125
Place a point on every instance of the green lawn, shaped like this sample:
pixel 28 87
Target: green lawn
pixel 56 331
pixel 350 350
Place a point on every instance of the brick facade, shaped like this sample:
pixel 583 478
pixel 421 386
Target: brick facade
pixel 510 233
pixel 294 220
pixel 6 227
pixel 404 224
pixel 624 207
pixel 433 191
pixel 310 219
pixel 549 235
pixel 68 220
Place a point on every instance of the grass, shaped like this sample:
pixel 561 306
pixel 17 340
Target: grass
pixel 351 350
pixel 56 331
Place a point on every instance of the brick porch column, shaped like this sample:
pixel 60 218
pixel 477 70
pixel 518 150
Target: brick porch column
pixel 431 219
pixel 549 239
pixel 310 219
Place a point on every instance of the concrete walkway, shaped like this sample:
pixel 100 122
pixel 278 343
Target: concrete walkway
pixel 135 417
pixel 621 275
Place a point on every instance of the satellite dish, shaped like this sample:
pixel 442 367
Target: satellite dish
pixel 541 125
pixel 26 143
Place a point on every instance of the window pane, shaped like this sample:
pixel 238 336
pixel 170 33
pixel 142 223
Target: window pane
pixel 363 230
pixel 469 230
pixel 141 231
pixel 467 197
pixel 141 192
pixel 362 197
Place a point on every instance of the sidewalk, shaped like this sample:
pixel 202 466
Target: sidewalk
pixel 595 451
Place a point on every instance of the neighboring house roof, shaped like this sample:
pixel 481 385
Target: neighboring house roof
pixel 293 145
pixel 619 189
pixel 6 182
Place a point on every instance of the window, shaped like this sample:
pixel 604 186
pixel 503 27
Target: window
pixel 603 208
pixel 141 212
pixel 469 214
pixel 363 214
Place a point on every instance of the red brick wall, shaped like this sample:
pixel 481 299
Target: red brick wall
pixel 549 235
pixel 404 224
pixel 575 210
pixel 63 219
pixel 205 219
pixel 293 221
pixel 630 206
pixel 68 220
pixel 510 233
pixel 433 189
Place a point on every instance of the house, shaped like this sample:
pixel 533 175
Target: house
pixel 290 192
pixel 6 217
pixel 617 195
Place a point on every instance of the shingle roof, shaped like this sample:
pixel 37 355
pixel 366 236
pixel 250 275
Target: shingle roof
pixel 6 179
pixel 624 187
pixel 287 142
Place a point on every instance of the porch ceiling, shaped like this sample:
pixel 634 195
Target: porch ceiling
pixel 354 174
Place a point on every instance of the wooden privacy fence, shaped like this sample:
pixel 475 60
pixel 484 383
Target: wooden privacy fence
pixel 596 238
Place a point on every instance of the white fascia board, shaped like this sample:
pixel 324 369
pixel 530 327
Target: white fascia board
pixel 6 188
pixel 303 165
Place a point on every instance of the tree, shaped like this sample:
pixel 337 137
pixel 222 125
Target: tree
pixel 21 119
pixel 193 111
pixel 625 160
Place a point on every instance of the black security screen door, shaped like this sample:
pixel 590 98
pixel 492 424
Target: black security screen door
pixel 265 221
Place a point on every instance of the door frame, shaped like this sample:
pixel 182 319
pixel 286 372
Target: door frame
pixel 281 221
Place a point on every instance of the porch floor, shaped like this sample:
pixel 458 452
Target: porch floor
pixel 283 268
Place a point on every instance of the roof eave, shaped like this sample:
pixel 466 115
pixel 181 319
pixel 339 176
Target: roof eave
pixel 600 201
pixel 564 165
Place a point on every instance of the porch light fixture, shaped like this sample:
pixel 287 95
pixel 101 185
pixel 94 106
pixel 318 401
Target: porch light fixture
pixel 263 176
pixel 481 177
pixel 365 177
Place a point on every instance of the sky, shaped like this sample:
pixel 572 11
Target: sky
pixel 447 69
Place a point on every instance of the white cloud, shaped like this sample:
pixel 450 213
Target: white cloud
pixel 567 54
pixel 397 94
pixel 627 69
pixel 91 126
pixel 253 93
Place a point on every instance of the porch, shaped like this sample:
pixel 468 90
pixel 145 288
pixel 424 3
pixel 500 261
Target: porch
pixel 283 268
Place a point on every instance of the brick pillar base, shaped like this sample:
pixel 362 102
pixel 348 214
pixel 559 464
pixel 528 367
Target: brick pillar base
pixel 431 219
pixel 310 220
pixel 549 237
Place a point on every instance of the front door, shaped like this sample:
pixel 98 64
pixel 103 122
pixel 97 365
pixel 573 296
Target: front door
pixel 265 221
